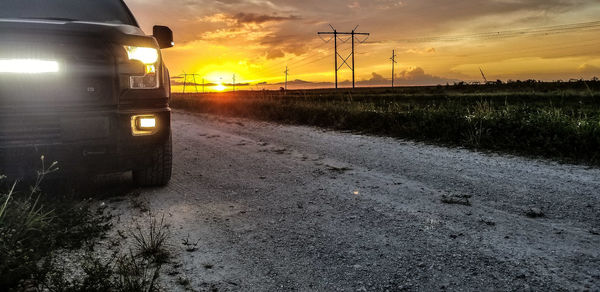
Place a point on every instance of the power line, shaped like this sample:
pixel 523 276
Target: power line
pixel 501 34
pixel 298 62
pixel 337 56
pixel 275 67
pixel 312 62
pixel 302 63
pixel 186 82
pixel 592 44
pixel 548 30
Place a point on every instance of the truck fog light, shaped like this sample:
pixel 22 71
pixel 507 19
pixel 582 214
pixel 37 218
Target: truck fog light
pixel 144 125
pixel 148 123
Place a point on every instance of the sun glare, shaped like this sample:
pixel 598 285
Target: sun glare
pixel 220 87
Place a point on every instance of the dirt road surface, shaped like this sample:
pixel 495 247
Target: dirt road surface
pixel 277 208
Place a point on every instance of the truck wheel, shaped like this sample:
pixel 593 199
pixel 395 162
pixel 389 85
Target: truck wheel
pixel 159 172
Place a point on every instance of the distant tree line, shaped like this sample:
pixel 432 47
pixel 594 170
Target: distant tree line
pixel 530 85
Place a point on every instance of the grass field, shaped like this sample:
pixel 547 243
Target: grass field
pixel 560 121
pixel 51 241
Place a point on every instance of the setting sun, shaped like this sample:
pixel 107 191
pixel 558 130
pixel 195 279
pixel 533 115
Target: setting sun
pixel 220 87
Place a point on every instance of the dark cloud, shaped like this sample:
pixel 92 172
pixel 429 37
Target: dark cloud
pixel 178 81
pixel 304 84
pixel 279 43
pixel 417 76
pixel 411 76
pixel 275 53
pixel 252 29
pixel 377 78
pixel 181 83
pixel 408 77
pixel 237 84
pixel 260 18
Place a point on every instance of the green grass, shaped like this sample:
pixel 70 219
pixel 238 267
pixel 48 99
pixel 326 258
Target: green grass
pixel 121 273
pixel 33 224
pixel 137 270
pixel 553 120
pixel 151 242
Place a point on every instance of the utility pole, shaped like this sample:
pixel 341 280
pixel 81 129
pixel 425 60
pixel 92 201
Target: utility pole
pixel 393 58
pixel 195 83
pixel 203 83
pixel 335 55
pixel 335 34
pixel 233 82
pixel 353 66
pixel 286 76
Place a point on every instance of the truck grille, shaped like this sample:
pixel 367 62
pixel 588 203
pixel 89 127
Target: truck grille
pixel 30 132
pixel 86 77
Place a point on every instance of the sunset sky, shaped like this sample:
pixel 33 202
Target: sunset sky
pixel 434 40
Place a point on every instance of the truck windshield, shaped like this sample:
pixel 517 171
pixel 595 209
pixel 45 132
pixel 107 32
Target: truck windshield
pixel 108 11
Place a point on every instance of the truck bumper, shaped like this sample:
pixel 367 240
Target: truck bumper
pixel 90 142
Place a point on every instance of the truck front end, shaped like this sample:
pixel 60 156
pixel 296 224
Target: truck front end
pixel 92 95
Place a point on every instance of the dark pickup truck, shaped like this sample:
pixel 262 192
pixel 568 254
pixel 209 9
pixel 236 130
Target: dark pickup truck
pixel 81 84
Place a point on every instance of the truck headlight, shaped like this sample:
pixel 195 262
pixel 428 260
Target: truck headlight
pixel 150 58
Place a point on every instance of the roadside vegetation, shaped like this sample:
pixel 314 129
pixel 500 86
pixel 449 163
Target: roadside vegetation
pixel 135 270
pixel 38 228
pixel 553 120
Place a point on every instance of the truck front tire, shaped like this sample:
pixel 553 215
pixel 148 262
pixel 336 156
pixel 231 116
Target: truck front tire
pixel 158 173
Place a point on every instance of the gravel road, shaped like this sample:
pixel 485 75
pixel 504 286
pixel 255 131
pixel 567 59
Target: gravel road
pixel 277 208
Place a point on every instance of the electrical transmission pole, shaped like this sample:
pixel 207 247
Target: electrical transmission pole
pixel 286 72
pixel 233 82
pixel 393 58
pixel 186 78
pixel 335 34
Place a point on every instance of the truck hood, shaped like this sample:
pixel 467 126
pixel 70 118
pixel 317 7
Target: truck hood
pixel 53 29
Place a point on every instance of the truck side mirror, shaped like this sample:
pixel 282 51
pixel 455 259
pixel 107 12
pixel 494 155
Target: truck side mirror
pixel 164 36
